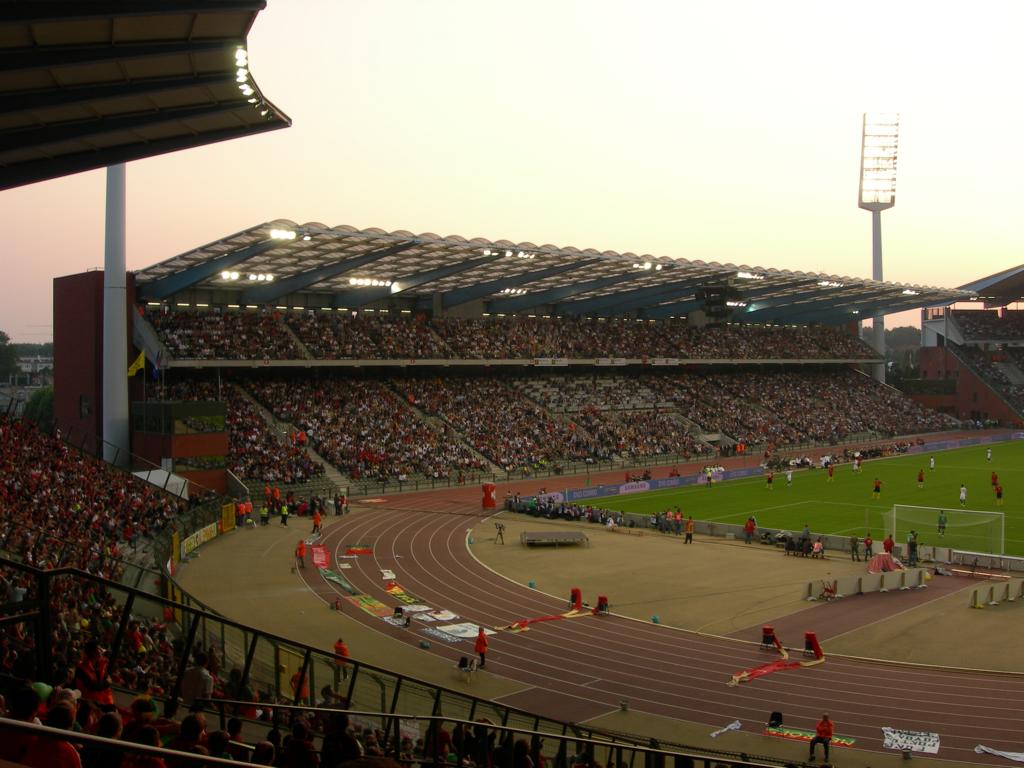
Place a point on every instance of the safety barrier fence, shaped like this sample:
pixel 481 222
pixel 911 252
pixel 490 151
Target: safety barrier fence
pixel 569 741
pixel 999 592
pixel 913 578
pixel 110 749
pixel 264 669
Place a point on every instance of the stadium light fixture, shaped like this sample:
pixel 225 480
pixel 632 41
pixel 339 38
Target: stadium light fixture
pixel 749 276
pixel 283 234
pixel 878 152
pixel 830 284
pixel 910 292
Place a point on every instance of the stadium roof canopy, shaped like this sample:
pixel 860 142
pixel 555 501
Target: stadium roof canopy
pixel 281 263
pixel 90 83
pixel 999 289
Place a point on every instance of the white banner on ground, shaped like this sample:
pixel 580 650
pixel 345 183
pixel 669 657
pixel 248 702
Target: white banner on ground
pixel 910 741
pixel 735 725
pixel 416 608
pixel 466 631
pixel 386 574
pixel 981 749
pixel 443 616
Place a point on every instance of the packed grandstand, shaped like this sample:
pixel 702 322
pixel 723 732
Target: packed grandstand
pixel 481 421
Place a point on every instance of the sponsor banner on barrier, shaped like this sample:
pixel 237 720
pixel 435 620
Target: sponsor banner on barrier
pixel 551 362
pixel 190 543
pixel 910 741
pixel 1017 436
pixel 637 486
pixel 664 361
pixel 371 605
pixel 320 557
pixel 464 631
pixel 610 361
pixel 227 517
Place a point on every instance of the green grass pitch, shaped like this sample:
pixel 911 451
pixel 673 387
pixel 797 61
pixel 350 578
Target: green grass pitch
pixel 846 507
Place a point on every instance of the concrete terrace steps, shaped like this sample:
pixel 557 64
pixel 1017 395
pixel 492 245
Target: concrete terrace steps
pixel 332 477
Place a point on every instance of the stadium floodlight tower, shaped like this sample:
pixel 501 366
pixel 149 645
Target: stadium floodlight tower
pixel 878 193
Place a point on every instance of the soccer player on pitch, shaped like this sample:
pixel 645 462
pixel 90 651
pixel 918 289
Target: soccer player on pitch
pixel 920 478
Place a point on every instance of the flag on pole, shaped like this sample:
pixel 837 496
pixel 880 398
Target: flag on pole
pixel 138 365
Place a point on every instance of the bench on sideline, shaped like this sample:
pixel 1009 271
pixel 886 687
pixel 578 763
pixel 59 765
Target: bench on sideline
pixel 552 538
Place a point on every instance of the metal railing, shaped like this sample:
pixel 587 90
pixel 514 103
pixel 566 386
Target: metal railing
pixel 270 671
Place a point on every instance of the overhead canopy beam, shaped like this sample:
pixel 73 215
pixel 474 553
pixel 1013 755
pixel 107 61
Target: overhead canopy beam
pixel 32 171
pixel 267 292
pixel 836 304
pixel 40 11
pixel 554 295
pixel 360 297
pixel 864 311
pixel 663 311
pixel 26 59
pixel 180 281
pixel 627 300
pixel 74 96
pixel 785 306
pixel 480 290
pixel 84 129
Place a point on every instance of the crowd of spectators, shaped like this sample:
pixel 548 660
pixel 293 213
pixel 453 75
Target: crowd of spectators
pixel 271 334
pixel 622 416
pixel 499 422
pixel 793 407
pixel 62 508
pixel 254 451
pixel 990 325
pixel 228 335
pixel 376 336
pixel 366 431
pixel 983 362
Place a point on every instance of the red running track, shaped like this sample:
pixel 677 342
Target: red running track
pixel 581 668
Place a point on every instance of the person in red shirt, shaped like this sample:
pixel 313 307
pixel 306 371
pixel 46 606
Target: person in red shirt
pixel 481 646
pixel 999 495
pixel 770 479
pixel 869 544
pixel 995 479
pixel 822 735
pixel 91 676
pixel 340 657
pixel 831 471
pixel 748 530
pixel 888 544
pixel 54 753
pixel 920 478
pixel 317 520
pixel 300 553
pixel 877 489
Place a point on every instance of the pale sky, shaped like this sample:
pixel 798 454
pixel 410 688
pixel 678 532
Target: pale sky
pixel 723 131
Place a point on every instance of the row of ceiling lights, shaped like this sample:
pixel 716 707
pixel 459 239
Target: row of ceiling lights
pixel 253 276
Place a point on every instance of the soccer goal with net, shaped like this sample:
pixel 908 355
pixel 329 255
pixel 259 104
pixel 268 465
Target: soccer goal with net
pixel 966 529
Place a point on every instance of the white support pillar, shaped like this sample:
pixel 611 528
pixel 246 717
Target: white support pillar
pixel 878 330
pixel 115 323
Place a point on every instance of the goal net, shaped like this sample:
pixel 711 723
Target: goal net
pixel 966 529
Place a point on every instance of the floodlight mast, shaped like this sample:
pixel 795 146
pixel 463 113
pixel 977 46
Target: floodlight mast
pixel 879 141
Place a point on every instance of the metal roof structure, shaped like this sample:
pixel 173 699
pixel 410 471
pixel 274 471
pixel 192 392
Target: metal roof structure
pixel 282 263
pixel 999 289
pixel 90 83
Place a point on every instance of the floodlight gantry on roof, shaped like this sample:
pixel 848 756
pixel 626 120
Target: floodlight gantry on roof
pixel 313 266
